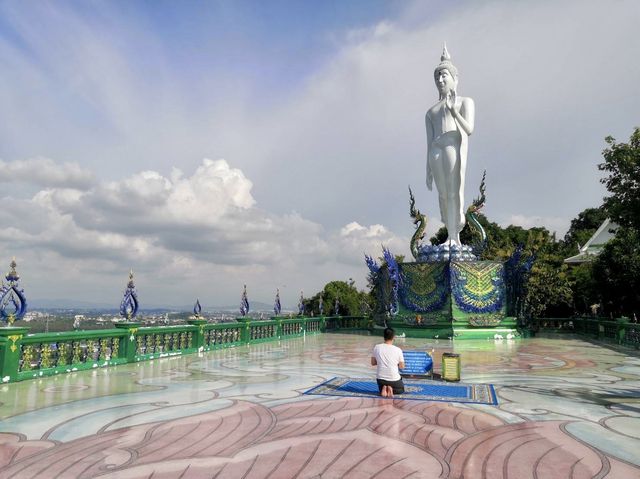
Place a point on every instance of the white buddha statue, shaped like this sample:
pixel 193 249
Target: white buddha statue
pixel 449 124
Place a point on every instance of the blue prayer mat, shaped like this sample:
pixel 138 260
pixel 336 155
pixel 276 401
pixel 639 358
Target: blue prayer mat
pixel 417 390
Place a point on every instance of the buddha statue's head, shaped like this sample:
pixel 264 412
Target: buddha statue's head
pixel 446 75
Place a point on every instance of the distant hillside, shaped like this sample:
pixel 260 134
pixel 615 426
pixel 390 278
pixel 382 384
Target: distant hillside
pixel 43 303
pixel 67 304
pixel 253 305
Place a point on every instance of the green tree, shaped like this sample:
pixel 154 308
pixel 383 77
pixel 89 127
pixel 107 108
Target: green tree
pixel 501 241
pixel 616 272
pixel 622 165
pixel 583 226
pixel 548 292
pixel 351 301
pixel 584 286
pixel 617 268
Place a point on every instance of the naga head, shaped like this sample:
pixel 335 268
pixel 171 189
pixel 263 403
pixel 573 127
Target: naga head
pixel 413 212
pixel 478 203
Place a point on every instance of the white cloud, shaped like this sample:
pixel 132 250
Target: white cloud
pixel 148 200
pixel 355 240
pixel 183 227
pixel 354 228
pixel 45 172
pixel 209 214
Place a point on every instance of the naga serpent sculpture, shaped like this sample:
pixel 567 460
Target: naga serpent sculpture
pixel 472 218
pixel 420 221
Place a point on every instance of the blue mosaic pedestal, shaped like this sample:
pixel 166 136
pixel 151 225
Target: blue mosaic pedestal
pixel 445 299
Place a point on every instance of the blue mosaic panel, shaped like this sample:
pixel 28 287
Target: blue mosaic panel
pixel 478 287
pixel 425 286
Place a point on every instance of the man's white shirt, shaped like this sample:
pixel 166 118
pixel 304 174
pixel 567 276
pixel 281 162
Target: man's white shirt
pixel 387 357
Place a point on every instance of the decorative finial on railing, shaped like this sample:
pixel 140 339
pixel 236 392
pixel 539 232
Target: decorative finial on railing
pixel 277 307
pixel 197 309
pixel 13 304
pixel 12 276
pixel 301 304
pixel 129 304
pixel 244 302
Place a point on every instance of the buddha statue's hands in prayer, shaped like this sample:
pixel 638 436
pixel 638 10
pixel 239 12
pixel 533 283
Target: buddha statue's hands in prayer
pixel 454 107
pixel 450 102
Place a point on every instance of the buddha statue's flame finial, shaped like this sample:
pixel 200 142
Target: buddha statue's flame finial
pixel 446 63
pixel 445 53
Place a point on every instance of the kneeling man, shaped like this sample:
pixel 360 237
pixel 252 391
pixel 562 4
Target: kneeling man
pixel 388 358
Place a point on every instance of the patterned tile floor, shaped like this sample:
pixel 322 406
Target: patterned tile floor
pixel 568 409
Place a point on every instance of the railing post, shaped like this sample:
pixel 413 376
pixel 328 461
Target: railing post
pixel 198 335
pixel 323 324
pixel 278 327
pixel 10 342
pixel 245 332
pixel 129 343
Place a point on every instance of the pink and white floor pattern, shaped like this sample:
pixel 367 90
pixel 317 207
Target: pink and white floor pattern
pixel 568 409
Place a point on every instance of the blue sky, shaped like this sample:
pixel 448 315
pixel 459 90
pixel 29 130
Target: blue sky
pixel 213 144
pixel 270 47
pixel 277 43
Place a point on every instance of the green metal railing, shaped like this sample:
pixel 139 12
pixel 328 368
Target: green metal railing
pixel 54 353
pixel 26 356
pixel 620 331
pixel 349 322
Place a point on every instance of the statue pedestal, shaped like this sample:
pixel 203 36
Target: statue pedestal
pixel 453 299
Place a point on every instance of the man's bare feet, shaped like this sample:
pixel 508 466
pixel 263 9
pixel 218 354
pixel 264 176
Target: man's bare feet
pixel 387 392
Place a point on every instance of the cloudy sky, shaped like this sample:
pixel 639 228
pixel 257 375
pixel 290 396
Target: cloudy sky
pixel 210 144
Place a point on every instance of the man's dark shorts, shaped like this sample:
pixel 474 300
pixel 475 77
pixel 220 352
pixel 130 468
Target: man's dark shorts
pixel 397 386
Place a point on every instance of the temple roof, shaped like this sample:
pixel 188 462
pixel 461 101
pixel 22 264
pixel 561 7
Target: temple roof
pixel 592 248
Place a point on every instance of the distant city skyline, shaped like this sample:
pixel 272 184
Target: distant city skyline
pixel 208 145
